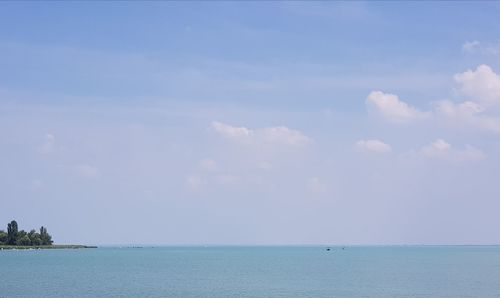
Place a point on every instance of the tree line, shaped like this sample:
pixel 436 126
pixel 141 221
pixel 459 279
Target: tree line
pixel 23 238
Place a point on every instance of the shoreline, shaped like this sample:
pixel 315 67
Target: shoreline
pixel 57 246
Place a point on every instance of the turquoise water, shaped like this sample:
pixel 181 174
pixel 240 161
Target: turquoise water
pixel 431 271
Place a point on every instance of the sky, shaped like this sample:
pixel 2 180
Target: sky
pixel 251 123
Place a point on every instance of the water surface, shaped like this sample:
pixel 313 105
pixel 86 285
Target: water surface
pixel 411 271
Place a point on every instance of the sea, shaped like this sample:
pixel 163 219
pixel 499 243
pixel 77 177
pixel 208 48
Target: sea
pixel 220 272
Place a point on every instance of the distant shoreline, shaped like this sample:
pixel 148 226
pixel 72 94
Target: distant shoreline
pixel 56 246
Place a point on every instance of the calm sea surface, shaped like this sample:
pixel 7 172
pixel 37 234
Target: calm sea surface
pixel 432 271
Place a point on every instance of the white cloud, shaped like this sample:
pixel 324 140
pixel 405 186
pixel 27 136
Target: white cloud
pixel 482 88
pixel 481 85
pixel 440 149
pixel 436 148
pixel 476 47
pixel 467 113
pixel 375 146
pixel 230 131
pixel 471 46
pixel 208 164
pixel 88 171
pixel 283 135
pixel 469 154
pixel 390 107
pixel 270 135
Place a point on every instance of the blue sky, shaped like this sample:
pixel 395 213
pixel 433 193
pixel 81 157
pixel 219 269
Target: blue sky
pixel 251 122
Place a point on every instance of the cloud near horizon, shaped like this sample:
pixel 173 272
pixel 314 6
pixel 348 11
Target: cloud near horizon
pixel 440 149
pixel 374 146
pixel 280 135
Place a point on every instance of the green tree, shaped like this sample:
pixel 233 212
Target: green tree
pixel 31 233
pixel 16 237
pixel 3 237
pixel 23 240
pixel 21 234
pixel 45 237
pixel 12 233
pixel 35 238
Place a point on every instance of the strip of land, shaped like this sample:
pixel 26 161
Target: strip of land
pixel 54 246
